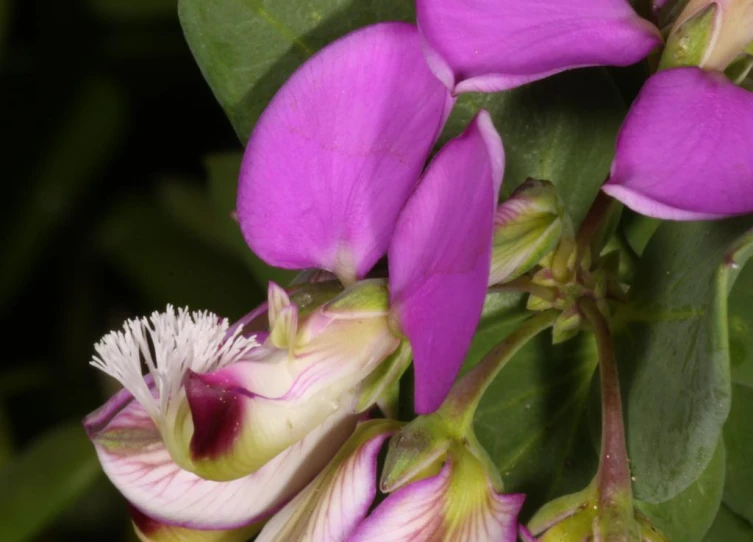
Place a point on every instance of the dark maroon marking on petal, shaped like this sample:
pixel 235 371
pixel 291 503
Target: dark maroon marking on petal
pixel 216 409
pixel 144 523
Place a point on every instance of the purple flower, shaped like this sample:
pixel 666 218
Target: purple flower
pixel 684 150
pixel 140 433
pixel 330 179
pixel 457 502
pixel 492 45
pixel 227 428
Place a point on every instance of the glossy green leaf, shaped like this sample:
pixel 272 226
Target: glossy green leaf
pixel 729 527
pixel 43 481
pixel 741 327
pixel 738 437
pixel 532 419
pixel 170 265
pixel 688 515
pixel 561 129
pixel 83 142
pixel 673 354
pixel 223 169
pixel 502 312
pixel 638 230
pixel 246 49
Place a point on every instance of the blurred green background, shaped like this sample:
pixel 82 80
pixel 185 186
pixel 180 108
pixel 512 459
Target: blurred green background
pixel 119 169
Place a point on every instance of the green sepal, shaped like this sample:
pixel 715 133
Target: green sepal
pixel 418 447
pixel 740 68
pixel 558 510
pixel 578 516
pixel 689 43
pixel 365 298
pixel 567 325
pixel 377 387
pixel 543 277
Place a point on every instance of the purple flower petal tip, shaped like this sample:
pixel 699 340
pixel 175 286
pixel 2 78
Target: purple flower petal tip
pixel 338 150
pixel 684 150
pixel 493 45
pixel 442 246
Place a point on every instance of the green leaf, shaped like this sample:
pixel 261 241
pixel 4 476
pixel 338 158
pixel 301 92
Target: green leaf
pixel 247 49
pixel 42 482
pixel 561 129
pixel 741 327
pixel 673 354
pixel 502 312
pixel 223 169
pixel 689 514
pixel 729 527
pixel 738 437
pixel 170 265
pixel 638 229
pixel 532 419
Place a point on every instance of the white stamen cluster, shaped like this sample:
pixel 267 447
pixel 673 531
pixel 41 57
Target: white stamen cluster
pixel 170 344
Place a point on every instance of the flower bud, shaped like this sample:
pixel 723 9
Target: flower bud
pixel 527 226
pixel 419 448
pixel 709 34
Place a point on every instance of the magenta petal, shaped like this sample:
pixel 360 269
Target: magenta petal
pixel 492 45
pixel 685 151
pixel 332 506
pixel 436 509
pixel 440 255
pixel 338 150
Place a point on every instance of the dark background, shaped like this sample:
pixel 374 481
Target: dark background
pixel 107 122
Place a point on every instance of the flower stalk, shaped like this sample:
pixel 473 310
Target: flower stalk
pixel 460 406
pixel 593 231
pixel 613 478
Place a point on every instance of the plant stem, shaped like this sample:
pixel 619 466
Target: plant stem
pixel 613 477
pixel 461 403
pixel 594 224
